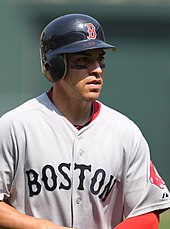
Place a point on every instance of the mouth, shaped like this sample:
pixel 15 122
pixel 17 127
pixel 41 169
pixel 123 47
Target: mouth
pixel 94 85
pixel 94 82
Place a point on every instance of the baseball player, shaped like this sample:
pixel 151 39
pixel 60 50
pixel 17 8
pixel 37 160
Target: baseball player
pixel 66 159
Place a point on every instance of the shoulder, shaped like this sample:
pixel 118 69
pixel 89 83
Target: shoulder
pixel 126 132
pixel 111 115
pixel 25 110
pixel 119 122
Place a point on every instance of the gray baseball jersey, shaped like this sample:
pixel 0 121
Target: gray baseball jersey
pixel 88 178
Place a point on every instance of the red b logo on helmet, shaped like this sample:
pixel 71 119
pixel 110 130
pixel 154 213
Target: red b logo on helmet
pixel 91 30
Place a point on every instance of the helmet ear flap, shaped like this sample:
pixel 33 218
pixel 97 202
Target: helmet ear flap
pixel 56 66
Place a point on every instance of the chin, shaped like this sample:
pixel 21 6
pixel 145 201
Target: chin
pixel 91 98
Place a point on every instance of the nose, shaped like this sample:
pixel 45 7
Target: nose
pixel 95 68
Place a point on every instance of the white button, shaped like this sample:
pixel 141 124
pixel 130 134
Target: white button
pixel 81 152
pixel 78 200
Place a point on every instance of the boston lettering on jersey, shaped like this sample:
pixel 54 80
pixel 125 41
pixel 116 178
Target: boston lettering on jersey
pixel 97 184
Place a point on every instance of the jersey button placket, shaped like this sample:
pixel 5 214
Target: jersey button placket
pixel 78 157
pixel 81 151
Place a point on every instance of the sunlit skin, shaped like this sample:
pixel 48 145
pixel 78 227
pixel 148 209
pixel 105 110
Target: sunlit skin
pixel 82 84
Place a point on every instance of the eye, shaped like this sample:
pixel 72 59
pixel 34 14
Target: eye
pixel 101 58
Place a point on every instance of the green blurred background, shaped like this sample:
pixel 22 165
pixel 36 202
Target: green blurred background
pixel 137 80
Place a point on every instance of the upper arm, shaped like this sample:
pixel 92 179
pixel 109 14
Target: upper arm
pixel 144 188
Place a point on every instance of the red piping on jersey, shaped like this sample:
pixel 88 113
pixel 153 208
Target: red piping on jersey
pixel 49 94
pixel 96 109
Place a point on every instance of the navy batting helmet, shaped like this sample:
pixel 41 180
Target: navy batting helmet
pixel 70 33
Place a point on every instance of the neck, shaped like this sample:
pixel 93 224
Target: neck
pixel 77 112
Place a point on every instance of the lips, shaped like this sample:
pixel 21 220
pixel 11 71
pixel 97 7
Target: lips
pixel 94 85
pixel 95 82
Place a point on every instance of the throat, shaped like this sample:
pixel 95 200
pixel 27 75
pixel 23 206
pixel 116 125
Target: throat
pixel 81 123
pixel 78 115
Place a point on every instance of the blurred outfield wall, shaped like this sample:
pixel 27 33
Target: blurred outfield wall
pixel 137 80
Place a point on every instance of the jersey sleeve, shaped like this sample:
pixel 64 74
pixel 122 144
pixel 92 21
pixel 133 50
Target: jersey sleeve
pixel 7 158
pixel 145 191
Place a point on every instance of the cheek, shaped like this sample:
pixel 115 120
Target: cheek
pixel 74 76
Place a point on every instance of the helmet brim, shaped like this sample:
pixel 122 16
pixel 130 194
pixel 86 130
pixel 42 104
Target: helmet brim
pixel 81 46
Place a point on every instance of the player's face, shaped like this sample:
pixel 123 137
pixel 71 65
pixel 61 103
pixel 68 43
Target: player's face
pixel 84 78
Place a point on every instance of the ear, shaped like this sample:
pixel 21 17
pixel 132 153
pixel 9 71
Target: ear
pixel 57 67
pixel 54 68
pixel 46 73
